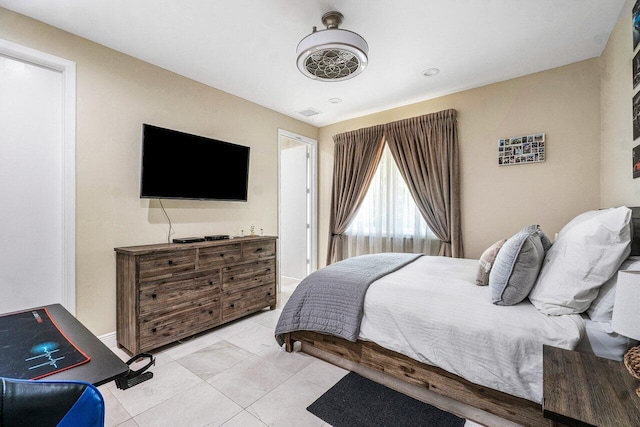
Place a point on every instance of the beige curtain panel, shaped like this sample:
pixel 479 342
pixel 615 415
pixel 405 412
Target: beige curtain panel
pixel 356 156
pixel 425 149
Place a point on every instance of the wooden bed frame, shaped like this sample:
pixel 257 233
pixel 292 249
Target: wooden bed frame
pixel 403 368
pixel 370 355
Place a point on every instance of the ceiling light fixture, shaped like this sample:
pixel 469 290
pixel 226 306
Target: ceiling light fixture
pixel 333 54
pixel 335 100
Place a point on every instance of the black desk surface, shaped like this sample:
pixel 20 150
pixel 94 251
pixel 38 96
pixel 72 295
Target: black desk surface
pixel 104 366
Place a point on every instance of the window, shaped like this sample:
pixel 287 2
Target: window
pixel 388 219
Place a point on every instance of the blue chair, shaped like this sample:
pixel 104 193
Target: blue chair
pixel 50 403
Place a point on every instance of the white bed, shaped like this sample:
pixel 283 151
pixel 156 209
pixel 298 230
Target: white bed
pixel 601 340
pixel 429 324
pixel 410 312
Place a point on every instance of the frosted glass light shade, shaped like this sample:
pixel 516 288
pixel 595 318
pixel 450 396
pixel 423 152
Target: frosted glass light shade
pixel 626 309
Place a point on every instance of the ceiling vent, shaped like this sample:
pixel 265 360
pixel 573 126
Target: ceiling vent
pixel 308 112
pixel 333 54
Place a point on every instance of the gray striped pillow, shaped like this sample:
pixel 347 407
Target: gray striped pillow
pixel 516 268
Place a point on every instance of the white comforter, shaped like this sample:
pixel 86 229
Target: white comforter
pixel 432 311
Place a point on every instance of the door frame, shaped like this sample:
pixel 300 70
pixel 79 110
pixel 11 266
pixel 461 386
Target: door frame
pixel 67 69
pixel 313 194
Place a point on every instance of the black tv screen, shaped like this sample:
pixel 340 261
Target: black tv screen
pixel 177 165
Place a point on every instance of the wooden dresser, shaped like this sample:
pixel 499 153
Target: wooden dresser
pixel 166 292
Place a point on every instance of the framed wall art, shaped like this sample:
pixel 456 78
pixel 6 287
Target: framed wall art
pixel 635 23
pixel 518 150
pixel 636 116
pixel 635 64
pixel 636 70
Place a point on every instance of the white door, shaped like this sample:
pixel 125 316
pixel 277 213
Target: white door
pixel 294 239
pixel 37 224
pixel 297 218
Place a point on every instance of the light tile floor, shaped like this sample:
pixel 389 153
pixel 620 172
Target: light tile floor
pixel 233 376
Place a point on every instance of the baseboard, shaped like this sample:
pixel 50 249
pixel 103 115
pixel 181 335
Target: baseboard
pixel 109 339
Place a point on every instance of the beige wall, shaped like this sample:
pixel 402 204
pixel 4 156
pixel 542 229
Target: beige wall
pixel 497 200
pixel 115 95
pixel 617 184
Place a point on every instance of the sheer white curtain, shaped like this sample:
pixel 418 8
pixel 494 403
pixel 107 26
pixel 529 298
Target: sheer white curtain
pixel 388 220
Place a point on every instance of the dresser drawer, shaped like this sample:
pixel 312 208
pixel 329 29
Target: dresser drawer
pixel 239 304
pixel 158 298
pixel 158 331
pixel 258 250
pixel 217 256
pixel 248 275
pixel 165 265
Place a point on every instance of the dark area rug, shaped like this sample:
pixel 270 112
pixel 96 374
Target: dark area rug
pixel 355 401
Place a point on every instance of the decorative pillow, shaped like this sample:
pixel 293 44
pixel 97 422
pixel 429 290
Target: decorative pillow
pixel 516 268
pixel 546 243
pixel 582 259
pixel 486 262
pixel 601 309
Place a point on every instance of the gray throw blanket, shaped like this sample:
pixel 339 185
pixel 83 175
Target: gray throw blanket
pixel 331 300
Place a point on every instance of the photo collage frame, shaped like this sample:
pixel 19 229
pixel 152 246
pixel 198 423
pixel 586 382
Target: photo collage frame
pixel 518 150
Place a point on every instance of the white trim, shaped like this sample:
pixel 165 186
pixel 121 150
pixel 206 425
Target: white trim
pixel 67 69
pixel 109 339
pixel 313 205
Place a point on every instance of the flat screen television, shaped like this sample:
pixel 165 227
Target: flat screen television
pixel 178 165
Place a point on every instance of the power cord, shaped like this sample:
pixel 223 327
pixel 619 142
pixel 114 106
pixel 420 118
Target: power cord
pixel 168 220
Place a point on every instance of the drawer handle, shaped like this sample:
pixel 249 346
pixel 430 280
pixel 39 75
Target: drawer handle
pixel 210 311
pixel 231 278
pixel 221 255
pixel 268 270
pixel 232 305
pixel 269 294
pixel 211 282
pixel 153 296
pixel 153 330
pixel 259 250
pixel 170 262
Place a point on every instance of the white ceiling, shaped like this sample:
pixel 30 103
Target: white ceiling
pixel 248 47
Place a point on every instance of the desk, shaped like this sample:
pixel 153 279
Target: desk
pixel 581 389
pixel 104 366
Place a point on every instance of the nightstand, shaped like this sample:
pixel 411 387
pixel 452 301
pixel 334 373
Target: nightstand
pixel 581 389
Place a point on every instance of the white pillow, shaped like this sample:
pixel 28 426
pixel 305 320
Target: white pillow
pixel 583 258
pixel 601 308
pixel 585 216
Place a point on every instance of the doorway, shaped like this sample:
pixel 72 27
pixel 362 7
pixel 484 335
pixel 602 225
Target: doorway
pixel 37 178
pixel 297 217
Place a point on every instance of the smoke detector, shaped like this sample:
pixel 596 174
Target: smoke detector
pixel 333 54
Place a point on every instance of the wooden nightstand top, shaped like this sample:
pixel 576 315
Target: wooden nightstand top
pixel 585 390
